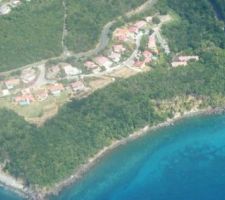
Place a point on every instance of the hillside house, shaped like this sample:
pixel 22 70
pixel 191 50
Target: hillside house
pixel 26 91
pixel 4 9
pixel 121 34
pixel 12 83
pixel 5 92
pixel 41 94
pixel 91 66
pixel 15 3
pixel 103 61
pixel 28 75
pixel 119 48
pixel 140 24
pixel 53 71
pixel 24 100
pixel 70 70
pixel 147 56
pixel 188 58
pixel 115 57
pixel 56 89
pixel 139 64
pixel 152 43
pixel 77 86
pixel 179 63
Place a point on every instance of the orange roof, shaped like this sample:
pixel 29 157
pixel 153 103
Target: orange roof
pixel 56 87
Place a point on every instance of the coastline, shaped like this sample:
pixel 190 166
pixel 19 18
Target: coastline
pixel 17 186
pixel 78 174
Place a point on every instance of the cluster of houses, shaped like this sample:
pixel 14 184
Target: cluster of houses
pixel 183 60
pixel 29 95
pixel 6 7
pixel 63 69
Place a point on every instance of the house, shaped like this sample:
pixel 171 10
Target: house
pixel 53 71
pixel 5 92
pixel 188 58
pixel 152 43
pixel 70 70
pixel 140 24
pixel 148 19
pixel 41 94
pixel 90 65
pixel 24 100
pixel 119 48
pixel 103 61
pixel 11 83
pixel 15 3
pixel 148 56
pixel 25 91
pixel 121 34
pixel 56 89
pixel 28 75
pixel 139 64
pixel 115 56
pixel 4 9
pixel 179 63
pixel 77 86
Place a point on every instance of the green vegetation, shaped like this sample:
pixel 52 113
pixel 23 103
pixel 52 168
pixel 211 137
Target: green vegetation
pixel 30 33
pixel 45 155
pixel 86 19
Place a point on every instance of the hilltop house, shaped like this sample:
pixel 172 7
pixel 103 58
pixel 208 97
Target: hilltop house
pixel 15 3
pixel 11 83
pixel 77 86
pixel 179 63
pixel 24 100
pixel 5 92
pixel 103 61
pixel 56 89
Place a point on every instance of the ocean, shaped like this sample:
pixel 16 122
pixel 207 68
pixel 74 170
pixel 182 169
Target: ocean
pixel 181 162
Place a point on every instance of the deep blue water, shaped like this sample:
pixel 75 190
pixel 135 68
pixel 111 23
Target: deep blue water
pixel 182 162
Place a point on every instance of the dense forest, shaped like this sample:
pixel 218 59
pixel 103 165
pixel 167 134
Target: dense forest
pixel 30 33
pixel 45 155
pixel 33 31
pixel 86 19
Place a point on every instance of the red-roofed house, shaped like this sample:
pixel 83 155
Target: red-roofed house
pixel 56 89
pixel 103 61
pixel 139 64
pixel 119 48
pixel 121 34
pixel 152 43
pixel 77 86
pixel 11 83
pixel 148 56
pixel 115 56
pixel 24 100
pixel 140 24
pixel 41 94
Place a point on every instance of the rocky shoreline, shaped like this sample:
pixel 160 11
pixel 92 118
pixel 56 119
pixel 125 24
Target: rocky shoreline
pixel 42 194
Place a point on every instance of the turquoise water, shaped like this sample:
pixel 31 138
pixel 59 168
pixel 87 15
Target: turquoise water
pixel 182 162
pixel 8 195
